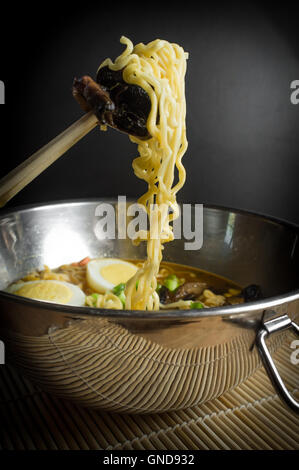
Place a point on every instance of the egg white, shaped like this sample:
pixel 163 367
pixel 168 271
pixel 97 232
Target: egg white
pixel 96 279
pixel 77 296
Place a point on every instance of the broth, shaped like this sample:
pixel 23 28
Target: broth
pixel 179 286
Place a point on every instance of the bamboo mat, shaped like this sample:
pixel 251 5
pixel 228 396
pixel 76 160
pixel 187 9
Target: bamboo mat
pixel 249 417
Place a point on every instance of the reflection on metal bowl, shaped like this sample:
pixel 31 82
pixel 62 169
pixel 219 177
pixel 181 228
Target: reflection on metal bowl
pixel 138 361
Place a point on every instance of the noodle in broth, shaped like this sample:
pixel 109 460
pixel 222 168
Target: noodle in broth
pixel 159 68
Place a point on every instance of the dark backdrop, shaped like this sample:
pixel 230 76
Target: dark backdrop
pixel 243 131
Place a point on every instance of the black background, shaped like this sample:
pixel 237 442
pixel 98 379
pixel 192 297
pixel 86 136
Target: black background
pixel 242 129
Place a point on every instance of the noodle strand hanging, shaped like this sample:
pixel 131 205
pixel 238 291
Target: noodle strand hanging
pixel 159 68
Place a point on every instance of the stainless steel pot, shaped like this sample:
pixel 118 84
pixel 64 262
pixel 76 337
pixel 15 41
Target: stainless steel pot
pixel 241 246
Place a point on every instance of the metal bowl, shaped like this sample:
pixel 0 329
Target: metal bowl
pixel 244 247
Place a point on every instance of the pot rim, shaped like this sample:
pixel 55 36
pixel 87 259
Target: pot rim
pixel 226 311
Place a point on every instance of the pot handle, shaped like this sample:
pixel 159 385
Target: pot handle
pixel 273 325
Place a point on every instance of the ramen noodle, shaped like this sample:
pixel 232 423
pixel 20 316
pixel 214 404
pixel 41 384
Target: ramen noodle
pixel 159 68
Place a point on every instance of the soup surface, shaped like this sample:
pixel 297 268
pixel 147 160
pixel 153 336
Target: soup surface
pixel 101 283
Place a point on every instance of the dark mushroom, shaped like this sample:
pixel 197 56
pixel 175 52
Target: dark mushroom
pixel 252 292
pixel 123 106
pixel 165 295
pixel 109 78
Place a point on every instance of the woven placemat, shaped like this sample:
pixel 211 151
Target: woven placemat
pixel 249 417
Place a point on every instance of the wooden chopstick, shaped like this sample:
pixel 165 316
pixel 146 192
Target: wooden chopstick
pixel 24 173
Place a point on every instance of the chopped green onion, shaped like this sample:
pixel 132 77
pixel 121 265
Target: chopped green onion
pixel 196 305
pixel 119 292
pixel 172 282
pixel 95 298
pixel 122 298
pixel 137 284
pixel 119 288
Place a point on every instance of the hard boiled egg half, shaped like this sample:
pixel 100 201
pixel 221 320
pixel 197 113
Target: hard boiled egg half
pixel 105 273
pixel 59 292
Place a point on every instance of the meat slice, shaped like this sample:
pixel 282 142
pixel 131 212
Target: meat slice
pixel 92 97
pixel 187 291
pixel 116 103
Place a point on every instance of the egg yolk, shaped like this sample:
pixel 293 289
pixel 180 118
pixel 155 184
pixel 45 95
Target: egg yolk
pixel 51 291
pixel 117 273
